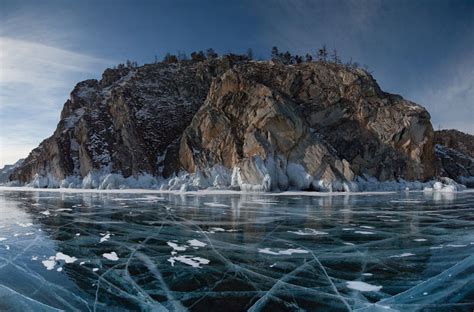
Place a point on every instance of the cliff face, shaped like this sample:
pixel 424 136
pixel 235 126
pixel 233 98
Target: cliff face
pixel 324 119
pixel 7 170
pixel 278 126
pixel 455 155
pixel 128 122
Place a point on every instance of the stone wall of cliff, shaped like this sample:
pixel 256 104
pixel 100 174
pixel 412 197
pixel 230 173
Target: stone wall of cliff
pixel 455 155
pixel 297 126
pixel 128 122
pixel 331 121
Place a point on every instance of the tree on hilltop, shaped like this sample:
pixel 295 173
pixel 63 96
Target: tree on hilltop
pixel 211 54
pixel 198 56
pixel 170 58
pixel 323 54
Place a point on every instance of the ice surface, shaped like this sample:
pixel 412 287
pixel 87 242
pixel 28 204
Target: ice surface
pixel 259 252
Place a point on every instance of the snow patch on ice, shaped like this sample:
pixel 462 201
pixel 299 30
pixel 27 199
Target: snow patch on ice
pixel 195 262
pixel 176 247
pixel 196 243
pixel 308 231
pixel 104 238
pixel 362 286
pixel 282 252
pixel 403 255
pixel 49 264
pixel 364 232
pixel 112 256
pixel 215 205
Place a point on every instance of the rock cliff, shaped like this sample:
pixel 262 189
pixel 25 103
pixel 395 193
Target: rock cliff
pixel 309 125
pixel 128 122
pixel 304 126
pixel 455 155
pixel 7 170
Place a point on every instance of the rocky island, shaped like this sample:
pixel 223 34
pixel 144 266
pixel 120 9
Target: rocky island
pixel 233 122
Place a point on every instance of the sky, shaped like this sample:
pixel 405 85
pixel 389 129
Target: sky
pixel 422 50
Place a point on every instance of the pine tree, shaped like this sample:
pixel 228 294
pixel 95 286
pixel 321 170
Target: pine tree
pixel 198 56
pixel 211 54
pixel 276 57
pixel 286 58
pixel 323 54
pixel 170 58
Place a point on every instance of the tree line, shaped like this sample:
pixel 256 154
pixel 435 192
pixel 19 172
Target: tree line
pixel 321 55
pixel 286 58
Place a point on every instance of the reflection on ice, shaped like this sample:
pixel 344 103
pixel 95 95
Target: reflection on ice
pixel 237 252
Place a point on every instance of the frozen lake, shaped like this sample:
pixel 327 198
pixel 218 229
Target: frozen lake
pixel 236 252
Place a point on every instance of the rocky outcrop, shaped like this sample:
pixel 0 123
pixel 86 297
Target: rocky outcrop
pixel 307 125
pixel 7 170
pixel 455 155
pixel 457 140
pixel 128 122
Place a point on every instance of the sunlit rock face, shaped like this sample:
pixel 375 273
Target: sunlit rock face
pixel 307 126
pixel 455 155
pixel 323 120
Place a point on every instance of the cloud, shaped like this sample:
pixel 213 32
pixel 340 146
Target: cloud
pixel 35 81
pixel 303 26
pixel 449 96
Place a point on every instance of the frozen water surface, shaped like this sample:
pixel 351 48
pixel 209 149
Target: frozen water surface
pixel 235 252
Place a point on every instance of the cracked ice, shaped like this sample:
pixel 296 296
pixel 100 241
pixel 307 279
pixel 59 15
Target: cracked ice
pixel 257 252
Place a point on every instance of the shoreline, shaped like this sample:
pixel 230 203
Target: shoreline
pixel 211 192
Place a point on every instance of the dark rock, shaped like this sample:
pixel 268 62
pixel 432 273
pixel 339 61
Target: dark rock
pixel 454 152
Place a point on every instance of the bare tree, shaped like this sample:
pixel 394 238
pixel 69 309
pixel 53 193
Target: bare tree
pixel 250 53
pixel 182 56
pixel 335 57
